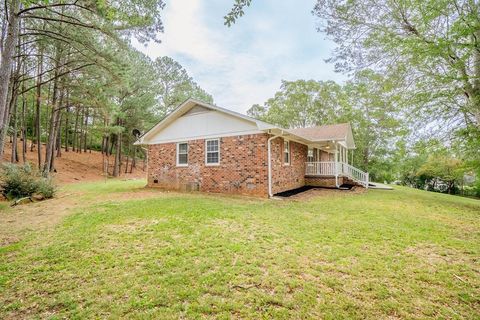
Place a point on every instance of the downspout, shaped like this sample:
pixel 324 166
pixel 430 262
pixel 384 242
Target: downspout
pixel 270 165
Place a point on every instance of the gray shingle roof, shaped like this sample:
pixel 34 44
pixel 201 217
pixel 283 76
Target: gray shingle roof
pixel 321 133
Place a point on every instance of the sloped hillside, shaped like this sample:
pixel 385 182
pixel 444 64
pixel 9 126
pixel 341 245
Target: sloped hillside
pixel 74 167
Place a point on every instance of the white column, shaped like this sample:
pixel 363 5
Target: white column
pixel 336 164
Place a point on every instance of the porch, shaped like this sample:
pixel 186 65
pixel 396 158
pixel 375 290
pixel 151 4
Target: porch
pixel 330 162
pixel 336 170
pixel 329 159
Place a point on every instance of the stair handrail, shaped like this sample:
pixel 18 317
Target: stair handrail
pixel 355 173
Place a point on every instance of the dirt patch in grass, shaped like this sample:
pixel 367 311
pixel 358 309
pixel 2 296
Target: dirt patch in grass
pixel 433 254
pixel 133 226
pixel 17 222
pixel 144 193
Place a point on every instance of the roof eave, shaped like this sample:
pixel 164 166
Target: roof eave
pixel 144 139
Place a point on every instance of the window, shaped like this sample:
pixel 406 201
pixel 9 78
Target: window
pixel 182 154
pixel 212 152
pixel 286 152
pixel 310 157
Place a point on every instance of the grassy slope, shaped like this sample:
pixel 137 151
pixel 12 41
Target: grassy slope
pixel 401 254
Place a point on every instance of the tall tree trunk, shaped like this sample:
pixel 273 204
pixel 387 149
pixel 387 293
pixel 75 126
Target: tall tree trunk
pixel 58 144
pixel 24 130
pixel 38 101
pixel 13 95
pixel 34 130
pixel 80 134
pixel 6 63
pixel 66 125
pixel 91 136
pixel 113 139
pixel 14 157
pixel 75 130
pixel 107 143
pixel 49 99
pixel 118 150
pixel 102 148
pixel 126 164
pixel 54 116
pixel 85 132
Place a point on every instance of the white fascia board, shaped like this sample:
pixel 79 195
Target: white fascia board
pixel 213 136
pixel 282 133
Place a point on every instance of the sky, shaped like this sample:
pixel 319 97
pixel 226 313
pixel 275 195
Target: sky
pixel 244 64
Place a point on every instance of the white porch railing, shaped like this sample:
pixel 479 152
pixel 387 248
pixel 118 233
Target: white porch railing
pixel 331 168
pixel 326 168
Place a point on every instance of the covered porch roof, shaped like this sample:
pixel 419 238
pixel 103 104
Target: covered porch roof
pixel 325 138
pixel 326 134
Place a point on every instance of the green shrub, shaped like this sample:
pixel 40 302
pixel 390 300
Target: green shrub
pixel 46 187
pixel 18 181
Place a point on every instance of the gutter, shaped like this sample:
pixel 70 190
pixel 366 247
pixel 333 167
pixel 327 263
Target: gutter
pixel 270 165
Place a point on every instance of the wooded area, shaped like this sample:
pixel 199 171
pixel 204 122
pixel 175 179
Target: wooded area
pixel 71 81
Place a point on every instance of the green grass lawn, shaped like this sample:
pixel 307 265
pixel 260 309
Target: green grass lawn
pixel 405 254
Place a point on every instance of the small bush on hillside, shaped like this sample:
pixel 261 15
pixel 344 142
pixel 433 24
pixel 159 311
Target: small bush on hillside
pixel 46 188
pixel 18 181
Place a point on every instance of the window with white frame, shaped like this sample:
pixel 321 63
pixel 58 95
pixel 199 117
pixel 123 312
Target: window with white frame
pixel 286 152
pixel 182 154
pixel 212 152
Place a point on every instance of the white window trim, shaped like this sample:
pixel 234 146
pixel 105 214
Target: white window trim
pixel 289 153
pixel 177 154
pixel 206 152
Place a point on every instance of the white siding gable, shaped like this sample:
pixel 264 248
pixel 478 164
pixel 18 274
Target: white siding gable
pixel 203 124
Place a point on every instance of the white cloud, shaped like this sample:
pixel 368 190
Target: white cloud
pixel 244 64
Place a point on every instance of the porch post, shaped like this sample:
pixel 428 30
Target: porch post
pixel 336 164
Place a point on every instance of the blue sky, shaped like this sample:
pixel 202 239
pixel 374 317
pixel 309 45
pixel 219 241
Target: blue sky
pixel 244 64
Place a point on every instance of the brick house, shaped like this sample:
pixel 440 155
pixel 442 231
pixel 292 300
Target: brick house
pixel 206 148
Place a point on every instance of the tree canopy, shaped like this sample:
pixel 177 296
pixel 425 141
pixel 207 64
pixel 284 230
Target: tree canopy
pixel 428 56
pixel 71 79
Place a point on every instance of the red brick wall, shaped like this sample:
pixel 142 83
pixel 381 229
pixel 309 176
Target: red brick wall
pixel 328 182
pixel 243 166
pixel 242 170
pixel 287 177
